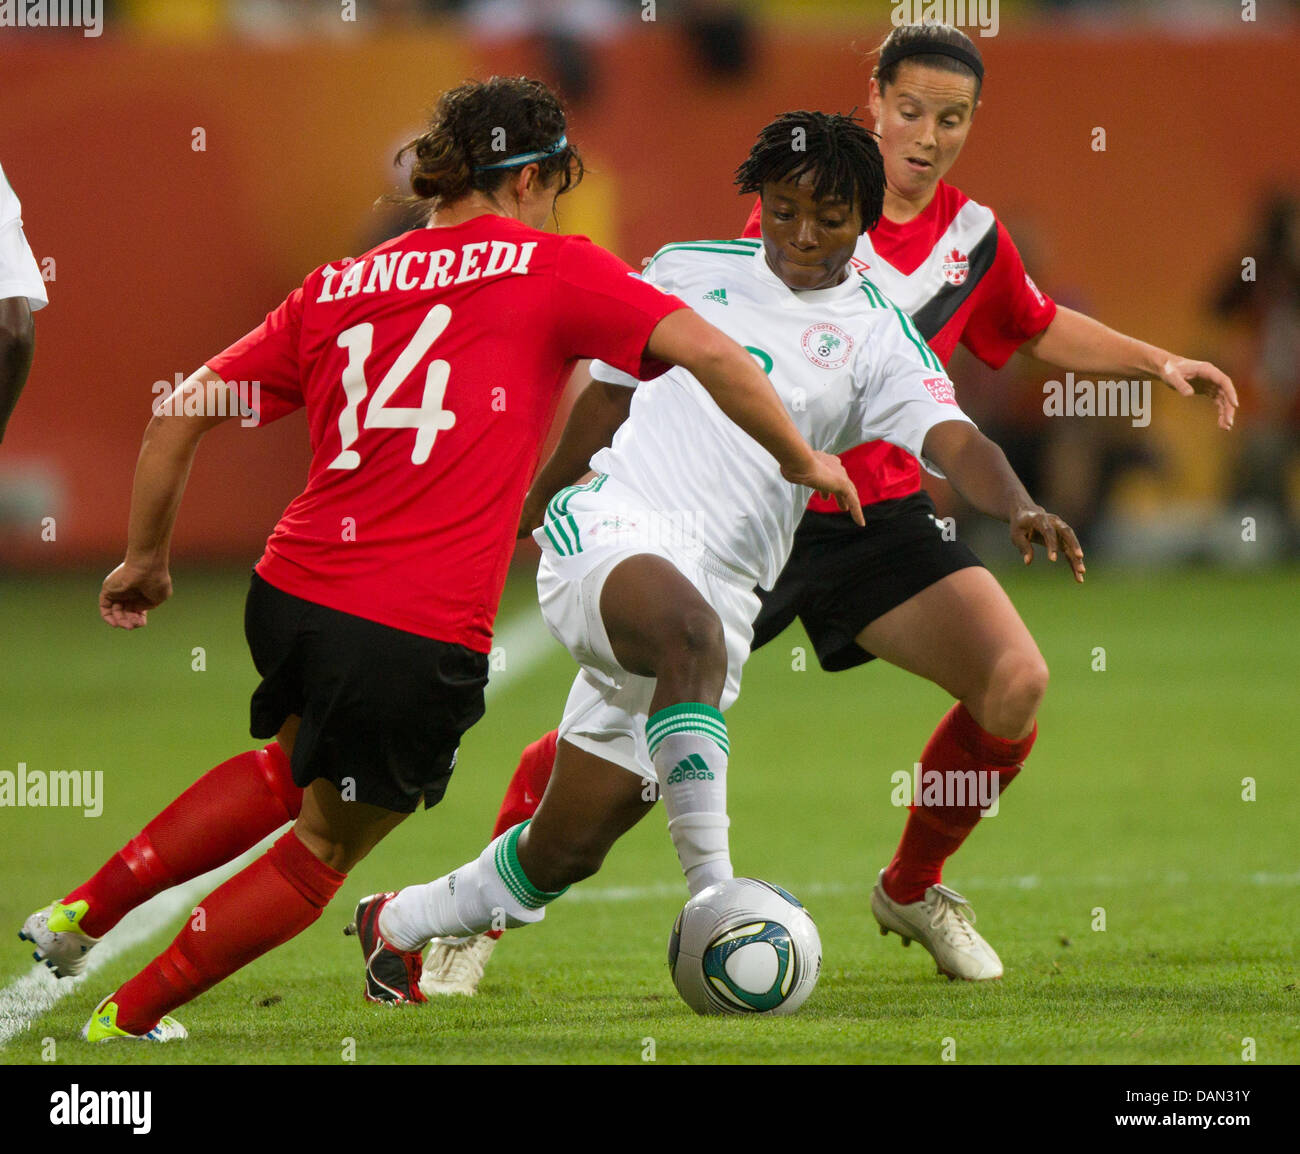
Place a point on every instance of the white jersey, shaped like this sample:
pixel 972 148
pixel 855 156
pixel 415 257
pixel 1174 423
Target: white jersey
pixel 19 275
pixel 848 363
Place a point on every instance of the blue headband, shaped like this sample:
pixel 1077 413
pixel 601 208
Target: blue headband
pixel 527 157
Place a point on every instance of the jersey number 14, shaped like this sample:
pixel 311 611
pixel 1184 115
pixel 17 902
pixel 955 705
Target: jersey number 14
pixel 427 421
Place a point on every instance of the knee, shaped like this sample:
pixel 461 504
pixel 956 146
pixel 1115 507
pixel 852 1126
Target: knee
pixel 339 855
pixel 699 631
pixel 695 641
pixel 1014 693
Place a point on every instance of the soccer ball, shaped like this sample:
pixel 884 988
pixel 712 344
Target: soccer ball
pixel 744 947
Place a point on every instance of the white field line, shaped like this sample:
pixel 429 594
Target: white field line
pixel 34 993
pixel 525 643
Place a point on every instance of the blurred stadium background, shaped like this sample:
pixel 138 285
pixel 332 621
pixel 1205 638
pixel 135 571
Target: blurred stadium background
pixel 159 254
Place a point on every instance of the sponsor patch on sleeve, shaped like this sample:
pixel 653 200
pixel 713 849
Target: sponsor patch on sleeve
pixel 940 388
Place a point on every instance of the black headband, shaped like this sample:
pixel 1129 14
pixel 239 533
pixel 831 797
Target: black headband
pixel 893 53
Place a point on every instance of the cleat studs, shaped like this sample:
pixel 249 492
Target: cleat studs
pixel 884 932
pixel 907 942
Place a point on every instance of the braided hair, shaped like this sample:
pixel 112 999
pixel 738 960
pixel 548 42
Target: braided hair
pixel 839 153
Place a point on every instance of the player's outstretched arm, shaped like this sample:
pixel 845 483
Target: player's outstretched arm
pixel 1076 341
pixel 594 419
pixel 743 392
pixel 980 472
pixel 17 346
pixel 142 581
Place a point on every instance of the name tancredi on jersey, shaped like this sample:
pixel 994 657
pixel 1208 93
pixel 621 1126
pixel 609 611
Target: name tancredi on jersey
pixel 420 270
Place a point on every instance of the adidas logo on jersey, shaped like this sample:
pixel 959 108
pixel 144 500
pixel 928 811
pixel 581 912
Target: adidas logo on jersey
pixel 692 768
pixel 718 296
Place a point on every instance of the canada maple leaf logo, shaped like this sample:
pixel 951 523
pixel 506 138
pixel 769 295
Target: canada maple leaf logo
pixel 956 267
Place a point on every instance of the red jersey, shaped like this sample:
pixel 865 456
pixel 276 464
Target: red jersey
pixel 955 271
pixel 431 368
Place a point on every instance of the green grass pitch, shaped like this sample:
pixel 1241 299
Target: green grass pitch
pixel 1131 809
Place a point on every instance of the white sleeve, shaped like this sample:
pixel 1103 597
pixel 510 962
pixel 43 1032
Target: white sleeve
pixel 901 391
pixel 19 275
pixel 600 371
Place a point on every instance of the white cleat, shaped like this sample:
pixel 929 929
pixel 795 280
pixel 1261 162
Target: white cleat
pixel 944 923
pixel 455 965
pixel 59 944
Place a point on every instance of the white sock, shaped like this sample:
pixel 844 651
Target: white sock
pixel 490 893
pixel 689 746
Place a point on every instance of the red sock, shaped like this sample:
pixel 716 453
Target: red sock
pixel 524 793
pixel 934 832
pixel 263 906
pixel 227 811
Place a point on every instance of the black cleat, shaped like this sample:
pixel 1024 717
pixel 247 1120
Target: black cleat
pixel 392 975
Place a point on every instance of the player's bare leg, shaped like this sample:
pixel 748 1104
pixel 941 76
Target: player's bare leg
pixel 660 626
pixel 456 965
pixel 588 805
pixel 964 634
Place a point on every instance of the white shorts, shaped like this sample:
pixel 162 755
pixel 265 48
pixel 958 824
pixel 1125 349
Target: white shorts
pixel 588 530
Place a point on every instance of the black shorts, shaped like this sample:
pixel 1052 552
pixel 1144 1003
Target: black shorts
pixel 840 577
pixel 382 710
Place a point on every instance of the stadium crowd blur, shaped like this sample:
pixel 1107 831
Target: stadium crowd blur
pixel 719 32
pixel 1106 477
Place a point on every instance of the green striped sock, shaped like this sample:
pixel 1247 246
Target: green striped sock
pixel 689 746
pixel 506 859
pixel 689 717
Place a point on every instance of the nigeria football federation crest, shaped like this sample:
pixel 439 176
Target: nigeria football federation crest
pixel 828 346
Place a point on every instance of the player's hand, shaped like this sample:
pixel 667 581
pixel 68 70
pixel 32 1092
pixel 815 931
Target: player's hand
pixel 1034 524
pixel 531 516
pixel 828 477
pixel 130 591
pixel 1187 377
